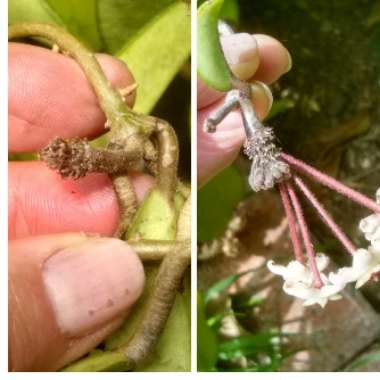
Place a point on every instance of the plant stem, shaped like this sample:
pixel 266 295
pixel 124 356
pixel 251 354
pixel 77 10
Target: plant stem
pixel 292 223
pixel 331 182
pixel 167 159
pixel 157 250
pixel 306 236
pixel 326 217
pixel 168 281
pixel 76 158
pixel 127 200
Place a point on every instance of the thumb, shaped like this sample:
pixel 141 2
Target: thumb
pixel 67 292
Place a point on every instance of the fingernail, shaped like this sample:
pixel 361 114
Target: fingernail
pixel 262 98
pixel 290 63
pixel 91 283
pixel 241 53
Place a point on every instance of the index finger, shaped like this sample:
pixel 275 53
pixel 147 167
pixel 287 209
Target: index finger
pixel 49 96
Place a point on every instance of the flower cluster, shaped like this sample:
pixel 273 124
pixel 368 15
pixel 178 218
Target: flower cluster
pixel 273 168
pixel 300 282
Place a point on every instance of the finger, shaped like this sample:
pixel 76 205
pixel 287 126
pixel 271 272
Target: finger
pixel 217 150
pixel 50 96
pixel 41 202
pixel 275 59
pixel 258 57
pixel 66 293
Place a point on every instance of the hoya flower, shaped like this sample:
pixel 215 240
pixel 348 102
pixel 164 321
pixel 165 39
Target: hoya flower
pixel 370 225
pixel 365 263
pixel 295 271
pixel 299 281
pixel 312 295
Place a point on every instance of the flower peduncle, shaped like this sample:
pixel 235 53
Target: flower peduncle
pixel 305 235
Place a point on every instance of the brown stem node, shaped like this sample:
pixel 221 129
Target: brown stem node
pixel 76 158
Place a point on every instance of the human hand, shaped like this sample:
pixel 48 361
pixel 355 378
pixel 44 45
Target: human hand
pixel 67 290
pixel 258 59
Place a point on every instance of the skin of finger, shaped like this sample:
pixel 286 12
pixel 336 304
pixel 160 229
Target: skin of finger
pixel 41 202
pixel 275 59
pixel 217 150
pixel 31 347
pixel 274 62
pixel 50 96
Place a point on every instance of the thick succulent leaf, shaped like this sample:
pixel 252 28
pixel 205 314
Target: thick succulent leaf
pixel 157 53
pixel 99 361
pixel 226 189
pixel 119 21
pixel 78 17
pixel 212 66
pixel 230 11
pixel 32 10
pixel 155 219
pixel 81 19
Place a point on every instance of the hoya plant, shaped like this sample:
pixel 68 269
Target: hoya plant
pixel 306 276
pixel 153 38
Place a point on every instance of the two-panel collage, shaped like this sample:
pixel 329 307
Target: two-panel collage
pixel 193 186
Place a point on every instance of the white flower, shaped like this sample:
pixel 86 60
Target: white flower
pixel 365 263
pixel 312 295
pixel 370 225
pixel 295 271
pixel 299 281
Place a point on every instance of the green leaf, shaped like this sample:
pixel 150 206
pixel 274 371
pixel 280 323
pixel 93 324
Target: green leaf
pixel 155 219
pixel 157 53
pixel 216 202
pixel 280 106
pixel 31 10
pixel 207 345
pixel 230 11
pixel 374 16
pixel 119 21
pixel 212 66
pixel 80 18
pixel 246 345
pixel 99 361
pixel 222 285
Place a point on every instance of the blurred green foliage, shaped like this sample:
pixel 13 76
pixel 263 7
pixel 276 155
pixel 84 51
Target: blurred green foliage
pixel 257 351
pixel 364 360
pixel 216 202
